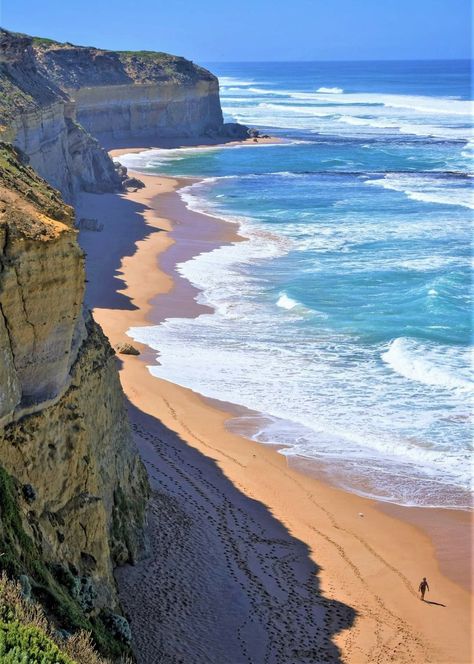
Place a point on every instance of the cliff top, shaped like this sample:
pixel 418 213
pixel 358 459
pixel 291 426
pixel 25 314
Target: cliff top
pixel 23 87
pixel 28 205
pixel 72 67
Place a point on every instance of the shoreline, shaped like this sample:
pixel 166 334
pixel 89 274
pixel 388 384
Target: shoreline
pixel 359 559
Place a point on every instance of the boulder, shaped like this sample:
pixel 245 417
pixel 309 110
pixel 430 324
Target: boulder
pixel 126 349
pixel 234 130
pixel 133 183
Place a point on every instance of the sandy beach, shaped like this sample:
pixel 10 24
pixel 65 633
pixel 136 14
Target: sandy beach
pixel 249 559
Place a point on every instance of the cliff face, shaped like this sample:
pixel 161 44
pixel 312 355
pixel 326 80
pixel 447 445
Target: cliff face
pixel 133 93
pixel 38 117
pixel 76 479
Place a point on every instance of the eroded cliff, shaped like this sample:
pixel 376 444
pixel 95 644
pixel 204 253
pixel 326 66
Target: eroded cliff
pixel 73 489
pixel 133 93
pixel 57 99
pixel 39 118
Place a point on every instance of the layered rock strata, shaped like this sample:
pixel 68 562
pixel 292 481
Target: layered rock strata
pixel 133 93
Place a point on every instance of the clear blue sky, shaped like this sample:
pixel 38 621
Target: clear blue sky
pixel 221 30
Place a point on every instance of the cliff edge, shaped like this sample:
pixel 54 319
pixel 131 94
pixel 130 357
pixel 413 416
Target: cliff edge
pixel 39 118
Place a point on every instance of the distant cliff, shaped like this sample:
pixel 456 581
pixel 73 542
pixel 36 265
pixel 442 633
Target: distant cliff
pixel 39 118
pixel 56 99
pixel 72 488
pixel 133 93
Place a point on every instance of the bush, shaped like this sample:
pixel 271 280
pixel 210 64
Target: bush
pixel 21 644
pixel 27 637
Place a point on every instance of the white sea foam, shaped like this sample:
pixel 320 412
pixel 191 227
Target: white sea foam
pixel 325 396
pixel 443 367
pixel 428 189
pixel 232 81
pixel 286 302
pixel 239 355
pixel 331 91
pixel 327 112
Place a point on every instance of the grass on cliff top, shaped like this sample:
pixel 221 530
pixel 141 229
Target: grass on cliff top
pixel 45 41
pixel 20 555
pixel 152 55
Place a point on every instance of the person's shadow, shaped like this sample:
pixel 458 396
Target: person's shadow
pixel 434 603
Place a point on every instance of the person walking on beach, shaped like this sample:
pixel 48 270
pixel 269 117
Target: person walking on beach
pixel 423 588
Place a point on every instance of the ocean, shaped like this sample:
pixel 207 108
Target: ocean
pixel 345 319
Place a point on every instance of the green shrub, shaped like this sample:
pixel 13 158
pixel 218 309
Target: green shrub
pixel 26 644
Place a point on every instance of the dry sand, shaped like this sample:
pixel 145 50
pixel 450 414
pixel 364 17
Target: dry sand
pixel 250 560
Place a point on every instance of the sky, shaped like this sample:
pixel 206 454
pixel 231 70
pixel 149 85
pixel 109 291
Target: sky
pixel 254 30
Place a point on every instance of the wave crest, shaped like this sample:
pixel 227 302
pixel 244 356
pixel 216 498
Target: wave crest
pixel 330 91
pixel 429 365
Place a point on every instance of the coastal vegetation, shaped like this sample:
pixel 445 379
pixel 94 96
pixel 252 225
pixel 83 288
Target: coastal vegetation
pixel 64 595
pixel 28 635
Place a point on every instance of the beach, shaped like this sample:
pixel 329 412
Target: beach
pixel 248 558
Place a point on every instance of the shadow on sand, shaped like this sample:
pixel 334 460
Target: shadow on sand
pixel 223 581
pixel 105 253
pixel 433 603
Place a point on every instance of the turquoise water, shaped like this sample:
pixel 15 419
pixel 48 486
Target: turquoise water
pixel 345 319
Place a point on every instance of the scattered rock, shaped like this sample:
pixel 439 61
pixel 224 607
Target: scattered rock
pixel 29 494
pixel 85 224
pixel 120 170
pixel 133 183
pixel 126 349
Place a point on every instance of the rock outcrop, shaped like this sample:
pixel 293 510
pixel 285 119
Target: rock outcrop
pixel 69 469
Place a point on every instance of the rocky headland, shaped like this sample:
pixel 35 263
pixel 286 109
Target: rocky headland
pixel 57 99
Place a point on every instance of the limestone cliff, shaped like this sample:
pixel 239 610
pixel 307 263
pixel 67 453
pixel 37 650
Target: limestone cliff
pixel 69 470
pixel 38 117
pixel 133 93
pixel 57 99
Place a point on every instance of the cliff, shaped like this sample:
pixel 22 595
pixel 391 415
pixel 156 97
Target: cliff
pixel 133 93
pixel 57 99
pixel 38 117
pixel 72 488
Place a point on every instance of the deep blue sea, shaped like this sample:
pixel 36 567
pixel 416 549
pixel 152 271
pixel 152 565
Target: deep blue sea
pixel 345 319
